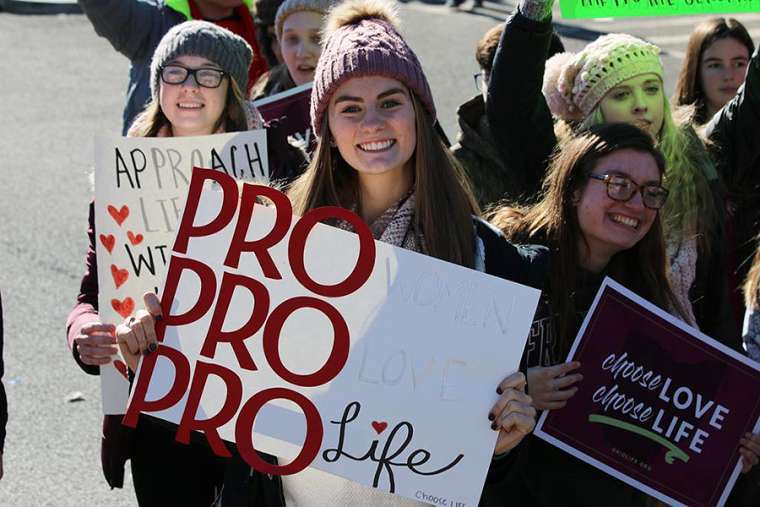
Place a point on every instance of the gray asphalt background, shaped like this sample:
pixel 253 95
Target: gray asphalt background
pixel 60 85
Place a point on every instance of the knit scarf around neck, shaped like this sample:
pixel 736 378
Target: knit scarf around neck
pixel 396 225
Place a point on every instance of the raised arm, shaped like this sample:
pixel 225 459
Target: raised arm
pixel 517 112
pixel 131 26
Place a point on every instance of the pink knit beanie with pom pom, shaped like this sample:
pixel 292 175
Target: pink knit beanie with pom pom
pixel 575 83
pixel 361 39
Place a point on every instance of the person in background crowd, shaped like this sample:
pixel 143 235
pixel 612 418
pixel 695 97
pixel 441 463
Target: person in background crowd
pixel 618 78
pixel 732 139
pixel 134 28
pixel 714 68
pixel 266 10
pixel 379 155
pixel 603 193
pixel 492 175
pixel 3 398
pixel 196 63
pixel 298 26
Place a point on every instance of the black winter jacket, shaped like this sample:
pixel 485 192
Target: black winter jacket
pixel 734 141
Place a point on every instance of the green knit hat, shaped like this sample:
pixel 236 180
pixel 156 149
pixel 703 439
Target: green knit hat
pixel 201 38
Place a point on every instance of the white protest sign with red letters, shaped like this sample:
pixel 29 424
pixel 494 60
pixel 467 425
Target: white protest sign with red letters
pixel 140 187
pixel 355 357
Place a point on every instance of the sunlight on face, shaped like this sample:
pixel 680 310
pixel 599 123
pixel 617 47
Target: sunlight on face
pixel 639 101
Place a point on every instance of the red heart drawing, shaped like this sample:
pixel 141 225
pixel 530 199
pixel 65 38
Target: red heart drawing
pixel 119 214
pixel 135 239
pixel 123 308
pixel 379 427
pixel 121 368
pixel 108 242
pixel 119 276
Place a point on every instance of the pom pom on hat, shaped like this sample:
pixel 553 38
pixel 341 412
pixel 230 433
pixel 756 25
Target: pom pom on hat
pixel 558 85
pixel 352 12
pixel 361 39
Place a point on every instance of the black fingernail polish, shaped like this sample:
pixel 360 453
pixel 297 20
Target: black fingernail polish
pixel 491 417
pixel 499 390
pixel 158 319
pixel 152 347
pixel 493 426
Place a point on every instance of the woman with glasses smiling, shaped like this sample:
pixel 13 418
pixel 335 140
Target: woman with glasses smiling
pixel 599 216
pixel 197 83
pixel 198 73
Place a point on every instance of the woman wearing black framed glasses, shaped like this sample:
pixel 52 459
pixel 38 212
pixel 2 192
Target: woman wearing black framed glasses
pixel 198 76
pixel 599 216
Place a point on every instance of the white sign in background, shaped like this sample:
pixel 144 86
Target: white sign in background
pixel 140 188
pixel 430 342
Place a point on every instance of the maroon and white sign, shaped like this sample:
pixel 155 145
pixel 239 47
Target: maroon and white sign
pixel 290 110
pixel 661 406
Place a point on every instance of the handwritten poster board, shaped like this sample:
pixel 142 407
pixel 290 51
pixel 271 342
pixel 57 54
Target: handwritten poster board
pixel 140 187
pixel 290 110
pixel 661 406
pixel 586 9
pixel 351 356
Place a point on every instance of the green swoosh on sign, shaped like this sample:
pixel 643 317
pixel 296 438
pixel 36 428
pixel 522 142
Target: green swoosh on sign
pixel 673 451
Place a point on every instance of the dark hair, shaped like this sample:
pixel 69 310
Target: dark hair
pixel 485 51
pixel 266 11
pixel 554 221
pixel 689 86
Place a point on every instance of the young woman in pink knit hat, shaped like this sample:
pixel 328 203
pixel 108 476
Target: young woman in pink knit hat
pixel 379 156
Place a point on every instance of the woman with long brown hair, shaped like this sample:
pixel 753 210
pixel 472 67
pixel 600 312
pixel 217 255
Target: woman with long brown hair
pixel 379 155
pixel 599 216
pixel 714 67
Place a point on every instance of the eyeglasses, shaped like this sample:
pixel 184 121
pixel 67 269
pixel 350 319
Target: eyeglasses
pixel 621 188
pixel 480 81
pixel 205 76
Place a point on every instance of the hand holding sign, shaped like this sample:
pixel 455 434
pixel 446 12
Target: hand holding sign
pixel 137 335
pixel 750 451
pixel 551 387
pixel 513 414
pixel 96 343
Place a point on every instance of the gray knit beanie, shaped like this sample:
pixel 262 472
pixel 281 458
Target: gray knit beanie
pixel 201 38
pixel 289 7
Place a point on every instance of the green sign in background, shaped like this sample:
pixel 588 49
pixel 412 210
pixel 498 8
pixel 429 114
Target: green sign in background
pixel 579 9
